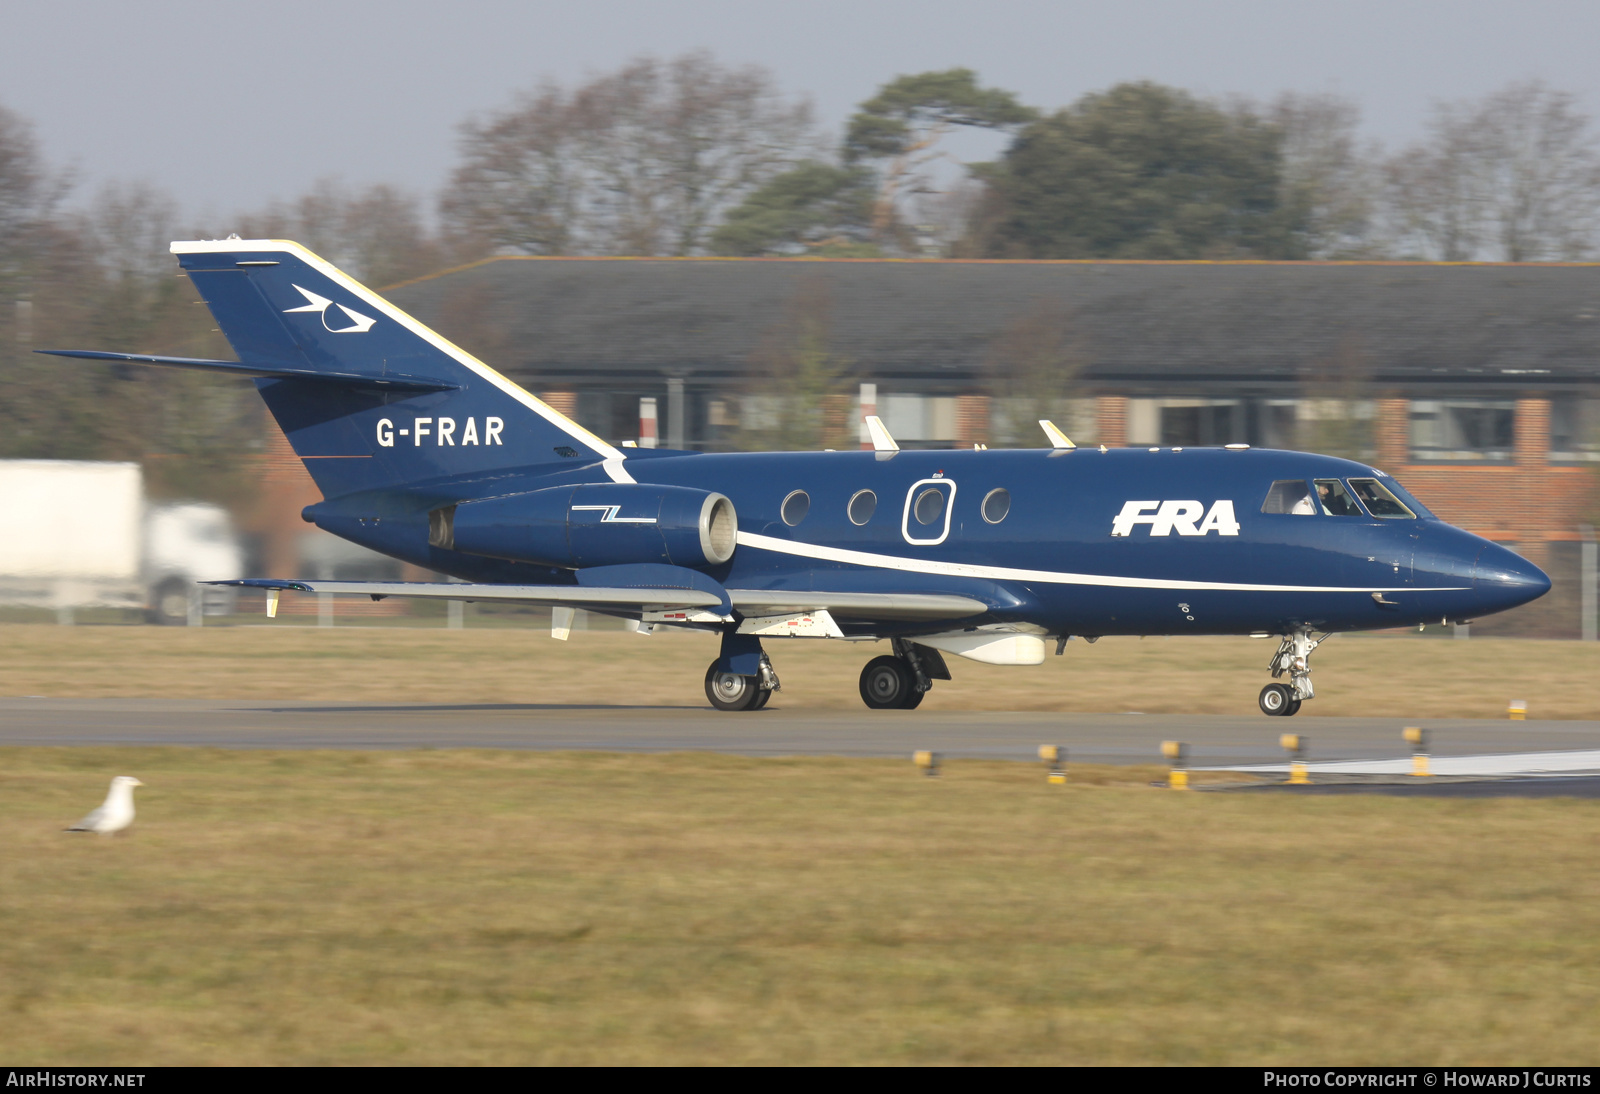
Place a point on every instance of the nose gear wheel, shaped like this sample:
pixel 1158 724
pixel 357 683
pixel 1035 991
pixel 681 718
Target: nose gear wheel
pixel 1293 660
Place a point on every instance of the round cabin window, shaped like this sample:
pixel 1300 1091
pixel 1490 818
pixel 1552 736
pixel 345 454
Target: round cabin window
pixel 996 504
pixel 929 506
pixel 795 507
pixel 863 503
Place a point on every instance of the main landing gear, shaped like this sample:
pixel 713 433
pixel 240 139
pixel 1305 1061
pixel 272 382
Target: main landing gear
pixel 1294 659
pixel 732 691
pixel 743 678
pixel 899 681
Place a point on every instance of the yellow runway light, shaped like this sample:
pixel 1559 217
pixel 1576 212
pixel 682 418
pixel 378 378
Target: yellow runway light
pixel 1417 738
pixel 1177 755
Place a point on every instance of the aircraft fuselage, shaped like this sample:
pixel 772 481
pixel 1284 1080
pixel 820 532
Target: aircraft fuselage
pixel 1070 553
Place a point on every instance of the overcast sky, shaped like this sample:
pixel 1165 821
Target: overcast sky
pixel 228 105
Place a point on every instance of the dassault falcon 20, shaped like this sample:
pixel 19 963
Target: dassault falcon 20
pixel 426 454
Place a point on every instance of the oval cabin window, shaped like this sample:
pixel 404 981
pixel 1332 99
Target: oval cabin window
pixel 795 507
pixel 862 505
pixel 929 506
pixel 996 504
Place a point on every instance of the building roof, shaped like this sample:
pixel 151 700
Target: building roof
pixel 1137 325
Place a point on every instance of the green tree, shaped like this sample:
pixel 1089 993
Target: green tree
pixel 889 158
pixel 1144 171
pixel 815 207
pixel 900 128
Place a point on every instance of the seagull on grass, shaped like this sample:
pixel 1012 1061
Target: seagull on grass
pixel 117 811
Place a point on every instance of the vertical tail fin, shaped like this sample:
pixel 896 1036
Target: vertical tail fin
pixel 391 401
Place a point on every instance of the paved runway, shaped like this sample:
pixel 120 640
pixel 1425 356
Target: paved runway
pixel 1090 738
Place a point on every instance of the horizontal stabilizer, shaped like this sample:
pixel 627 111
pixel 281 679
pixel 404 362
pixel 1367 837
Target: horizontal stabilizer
pixel 387 382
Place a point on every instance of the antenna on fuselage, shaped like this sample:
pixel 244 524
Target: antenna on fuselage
pixel 881 441
pixel 1058 439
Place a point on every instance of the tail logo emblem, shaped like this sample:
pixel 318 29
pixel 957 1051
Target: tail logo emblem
pixel 360 324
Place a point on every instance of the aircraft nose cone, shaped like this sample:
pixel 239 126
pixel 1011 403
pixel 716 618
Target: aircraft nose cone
pixel 1505 579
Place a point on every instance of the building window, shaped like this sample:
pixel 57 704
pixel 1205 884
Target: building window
pixel 1277 424
pixel 1464 430
pixel 1337 427
pixel 1014 422
pixel 1575 430
pixel 1181 423
pixel 918 417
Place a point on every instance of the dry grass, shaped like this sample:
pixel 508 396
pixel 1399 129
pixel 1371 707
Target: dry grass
pixel 1438 677
pixel 475 907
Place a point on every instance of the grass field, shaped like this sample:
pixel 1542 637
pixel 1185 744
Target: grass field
pixel 477 907
pixel 1413 676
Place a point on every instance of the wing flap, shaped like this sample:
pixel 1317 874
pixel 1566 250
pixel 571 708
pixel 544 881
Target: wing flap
pixel 856 606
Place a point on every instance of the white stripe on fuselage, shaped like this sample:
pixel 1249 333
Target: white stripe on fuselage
pixel 1007 573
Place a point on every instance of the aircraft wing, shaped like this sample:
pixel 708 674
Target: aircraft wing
pixel 864 607
pixel 898 607
pixel 574 596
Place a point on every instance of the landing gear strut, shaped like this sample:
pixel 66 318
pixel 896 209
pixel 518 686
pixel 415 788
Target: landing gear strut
pixel 1294 660
pixel 899 681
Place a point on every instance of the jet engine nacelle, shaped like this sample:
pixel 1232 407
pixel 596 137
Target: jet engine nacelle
pixel 598 524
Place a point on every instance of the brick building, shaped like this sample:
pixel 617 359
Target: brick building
pixel 1478 385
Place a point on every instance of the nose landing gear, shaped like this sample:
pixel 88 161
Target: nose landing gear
pixel 1294 660
pixel 1278 701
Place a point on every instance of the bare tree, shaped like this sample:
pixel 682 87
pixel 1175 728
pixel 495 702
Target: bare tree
pixel 1539 173
pixel 1514 176
pixel 376 235
pixel 1431 194
pixel 29 194
pixel 521 186
pixel 642 161
pixel 1328 173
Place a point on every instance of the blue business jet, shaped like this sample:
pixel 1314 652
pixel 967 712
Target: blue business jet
pixel 426 454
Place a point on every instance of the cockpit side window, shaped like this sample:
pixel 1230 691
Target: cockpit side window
pixel 1291 496
pixel 1336 500
pixel 1378 500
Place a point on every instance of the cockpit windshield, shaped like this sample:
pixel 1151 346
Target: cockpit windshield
pixel 1336 500
pixel 1378 500
pixel 1291 496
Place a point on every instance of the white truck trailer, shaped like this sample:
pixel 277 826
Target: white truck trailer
pixel 76 534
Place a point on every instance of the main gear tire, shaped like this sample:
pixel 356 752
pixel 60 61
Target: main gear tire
pixel 886 684
pixel 730 691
